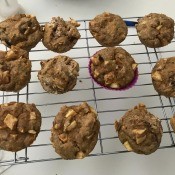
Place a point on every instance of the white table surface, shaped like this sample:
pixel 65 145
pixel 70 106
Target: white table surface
pixel 161 162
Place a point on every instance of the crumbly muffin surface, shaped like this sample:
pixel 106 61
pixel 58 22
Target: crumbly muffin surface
pixel 15 69
pixel 75 131
pixel 113 67
pixel 139 130
pixel 59 74
pixel 19 125
pixel 155 30
pixel 163 77
pixel 108 29
pixel 60 36
pixel 21 30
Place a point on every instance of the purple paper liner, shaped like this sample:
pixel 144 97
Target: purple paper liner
pixel 128 86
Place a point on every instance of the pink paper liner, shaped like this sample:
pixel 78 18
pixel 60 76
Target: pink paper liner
pixel 128 86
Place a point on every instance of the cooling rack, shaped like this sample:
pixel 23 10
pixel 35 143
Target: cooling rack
pixel 110 105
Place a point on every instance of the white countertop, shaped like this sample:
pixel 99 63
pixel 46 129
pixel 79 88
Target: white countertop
pixel 85 9
pixel 159 163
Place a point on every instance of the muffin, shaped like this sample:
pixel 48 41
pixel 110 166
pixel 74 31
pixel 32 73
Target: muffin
pixel 75 131
pixel 59 35
pixel 172 122
pixel 155 30
pixel 163 77
pixel 19 125
pixel 15 69
pixel 139 130
pixel 113 68
pixel 108 29
pixel 58 75
pixel 21 30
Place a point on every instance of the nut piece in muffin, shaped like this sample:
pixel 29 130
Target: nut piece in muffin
pixel 108 29
pixel 155 30
pixel 15 69
pixel 75 131
pixel 163 77
pixel 172 122
pixel 19 125
pixel 139 130
pixel 21 30
pixel 59 74
pixel 59 35
pixel 113 68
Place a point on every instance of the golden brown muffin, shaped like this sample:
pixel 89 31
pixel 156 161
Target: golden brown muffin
pixel 155 30
pixel 59 35
pixel 163 77
pixel 139 130
pixel 113 68
pixel 15 69
pixel 19 125
pixel 58 75
pixel 75 131
pixel 108 29
pixel 21 30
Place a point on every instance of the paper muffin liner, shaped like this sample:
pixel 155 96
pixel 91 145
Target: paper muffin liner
pixel 128 86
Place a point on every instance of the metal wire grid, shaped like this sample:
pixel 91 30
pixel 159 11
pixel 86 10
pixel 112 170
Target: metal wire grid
pixel 110 105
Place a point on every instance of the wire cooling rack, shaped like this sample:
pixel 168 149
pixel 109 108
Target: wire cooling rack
pixel 110 105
